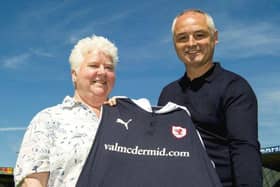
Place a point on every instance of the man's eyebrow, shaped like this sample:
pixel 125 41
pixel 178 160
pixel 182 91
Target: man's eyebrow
pixel 180 34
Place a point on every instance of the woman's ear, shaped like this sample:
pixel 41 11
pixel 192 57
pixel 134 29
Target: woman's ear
pixel 74 77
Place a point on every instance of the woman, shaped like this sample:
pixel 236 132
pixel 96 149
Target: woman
pixel 58 139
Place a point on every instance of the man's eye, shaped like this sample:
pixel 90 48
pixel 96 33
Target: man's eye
pixel 181 38
pixel 198 36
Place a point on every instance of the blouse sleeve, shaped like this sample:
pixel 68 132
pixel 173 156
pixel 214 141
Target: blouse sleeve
pixel 34 152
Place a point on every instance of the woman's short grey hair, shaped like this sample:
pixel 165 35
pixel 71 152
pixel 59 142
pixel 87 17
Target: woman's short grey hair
pixel 89 44
pixel 209 19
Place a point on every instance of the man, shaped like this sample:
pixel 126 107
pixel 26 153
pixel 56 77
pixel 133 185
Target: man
pixel 223 106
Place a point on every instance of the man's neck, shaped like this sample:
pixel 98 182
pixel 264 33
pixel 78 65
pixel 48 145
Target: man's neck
pixel 196 72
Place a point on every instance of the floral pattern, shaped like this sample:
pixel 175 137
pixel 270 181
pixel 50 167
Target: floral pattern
pixel 57 140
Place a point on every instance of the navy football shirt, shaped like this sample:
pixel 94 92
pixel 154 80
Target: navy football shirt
pixel 149 147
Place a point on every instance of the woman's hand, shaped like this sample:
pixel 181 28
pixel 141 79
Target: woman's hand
pixel 36 180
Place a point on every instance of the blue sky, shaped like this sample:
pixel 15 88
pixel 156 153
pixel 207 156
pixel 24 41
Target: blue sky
pixel 37 36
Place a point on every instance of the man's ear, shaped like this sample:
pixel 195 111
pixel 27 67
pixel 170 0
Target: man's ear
pixel 216 37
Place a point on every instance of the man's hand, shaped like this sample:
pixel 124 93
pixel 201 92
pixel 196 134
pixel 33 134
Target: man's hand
pixel 111 101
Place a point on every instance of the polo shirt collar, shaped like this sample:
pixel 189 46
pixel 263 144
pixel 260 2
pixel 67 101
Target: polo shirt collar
pixel 208 76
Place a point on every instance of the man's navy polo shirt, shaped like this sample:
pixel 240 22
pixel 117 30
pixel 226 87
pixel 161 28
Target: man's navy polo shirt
pixel 224 109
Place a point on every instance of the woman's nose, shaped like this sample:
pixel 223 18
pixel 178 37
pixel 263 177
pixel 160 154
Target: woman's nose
pixel 101 69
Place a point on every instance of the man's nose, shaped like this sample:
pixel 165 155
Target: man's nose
pixel 192 41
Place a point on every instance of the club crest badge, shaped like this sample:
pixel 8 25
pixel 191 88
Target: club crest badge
pixel 179 132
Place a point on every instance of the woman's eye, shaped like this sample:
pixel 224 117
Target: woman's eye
pixel 109 68
pixel 93 66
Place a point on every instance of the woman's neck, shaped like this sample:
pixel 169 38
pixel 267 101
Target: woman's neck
pixel 94 103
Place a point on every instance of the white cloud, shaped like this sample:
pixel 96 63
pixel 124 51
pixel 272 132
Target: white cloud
pixel 12 129
pixel 39 12
pixel 270 100
pixel 241 40
pixel 166 39
pixel 73 39
pixel 269 114
pixel 39 52
pixel 273 96
pixel 90 27
pixel 15 61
